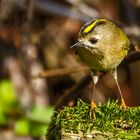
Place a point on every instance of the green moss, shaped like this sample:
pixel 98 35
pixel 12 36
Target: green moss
pixel 110 123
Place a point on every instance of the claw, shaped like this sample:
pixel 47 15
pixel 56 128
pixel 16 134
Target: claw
pixel 123 105
pixel 92 105
pixel 92 111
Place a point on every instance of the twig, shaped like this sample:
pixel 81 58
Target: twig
pixel 132 57
pixel 60 71
pixel 30 10
pixel 74 91
pixel 85 9
pixel 59 9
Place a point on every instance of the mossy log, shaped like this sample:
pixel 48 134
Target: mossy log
pixel 111 123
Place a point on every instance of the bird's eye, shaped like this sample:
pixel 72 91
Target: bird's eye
pixel 93 40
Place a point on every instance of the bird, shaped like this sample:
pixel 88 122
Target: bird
pixel 102 46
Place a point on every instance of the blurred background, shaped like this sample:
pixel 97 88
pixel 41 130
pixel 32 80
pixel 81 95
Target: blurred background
pixel 39 73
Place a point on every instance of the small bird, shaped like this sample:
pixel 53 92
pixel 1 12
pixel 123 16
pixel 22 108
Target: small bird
pixel 102 46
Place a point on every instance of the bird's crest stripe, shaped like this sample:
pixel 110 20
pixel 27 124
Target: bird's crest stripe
pixel 91 25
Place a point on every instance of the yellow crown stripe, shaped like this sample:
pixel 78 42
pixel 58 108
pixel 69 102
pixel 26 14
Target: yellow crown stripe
pixel 89 28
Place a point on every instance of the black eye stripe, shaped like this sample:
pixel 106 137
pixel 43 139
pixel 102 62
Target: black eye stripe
pixel 93 40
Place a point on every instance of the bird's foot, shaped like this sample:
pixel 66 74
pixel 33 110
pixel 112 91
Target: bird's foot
pixel 123 105
pixel 92 105
pixel 92 110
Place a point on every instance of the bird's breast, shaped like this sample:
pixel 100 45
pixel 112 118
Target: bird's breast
pixel 104 59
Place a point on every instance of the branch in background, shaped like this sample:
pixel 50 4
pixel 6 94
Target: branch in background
pixel 6 6
pixel 47 7
pixel 59 9
pixel 80 12
pixel 133 31
pixel 132 57
pixel 61 72
pixel 85 9
pixel 75 90
pixel 30 10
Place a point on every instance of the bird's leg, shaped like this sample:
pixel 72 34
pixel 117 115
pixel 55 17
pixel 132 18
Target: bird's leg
pixel 93 104
pixel 123 105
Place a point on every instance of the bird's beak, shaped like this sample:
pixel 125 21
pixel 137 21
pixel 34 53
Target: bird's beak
pixel 76 44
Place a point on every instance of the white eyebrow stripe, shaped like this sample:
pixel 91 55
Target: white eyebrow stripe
pixel 88 43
